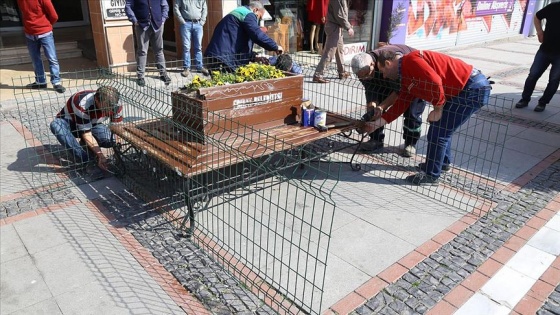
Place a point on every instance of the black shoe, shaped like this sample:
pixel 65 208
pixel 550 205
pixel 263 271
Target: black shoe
pixel 94 172
pixel 36 86
pixel 59 88
pixel 205 71
pixel 540 107
pixel 141 82
pixel 371 145
pixel 522 104
pixel 422 179
pixel 444 168
pixel 165 78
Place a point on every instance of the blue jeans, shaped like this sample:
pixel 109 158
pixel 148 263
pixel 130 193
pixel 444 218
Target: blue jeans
pixel 192 30
pixel 456 111
pixel 541 62
pixel 34 48
pixel 66 133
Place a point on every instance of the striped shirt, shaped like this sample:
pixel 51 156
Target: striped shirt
pixel 80 109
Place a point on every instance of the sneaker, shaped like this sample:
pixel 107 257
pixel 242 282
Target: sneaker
pixel 59 88
pixel 185 73
pixel 422 179
pixel 540 107
pixel 165 78
pixel 205 71
pixel 409 151
pixel 371 145
pixel 36 86
pixel 444 168
pixel 344 75
pixel 319 79
pixel 522 103
pixel 141 82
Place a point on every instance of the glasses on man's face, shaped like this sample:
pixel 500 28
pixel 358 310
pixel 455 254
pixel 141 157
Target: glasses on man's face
pixel 365 73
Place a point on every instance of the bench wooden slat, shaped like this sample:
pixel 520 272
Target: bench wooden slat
pixel 164 141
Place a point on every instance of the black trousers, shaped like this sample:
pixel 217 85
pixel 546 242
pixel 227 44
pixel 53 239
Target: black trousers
pixel 412 124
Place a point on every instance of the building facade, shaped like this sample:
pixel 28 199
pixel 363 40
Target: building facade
pixel 426 24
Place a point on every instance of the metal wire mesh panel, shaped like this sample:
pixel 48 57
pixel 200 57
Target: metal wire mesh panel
pixel 473 179
pixel 255 196
pixel 36 110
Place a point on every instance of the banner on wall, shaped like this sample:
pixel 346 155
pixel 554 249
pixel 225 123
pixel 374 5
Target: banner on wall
pixel 435 24
pixel 113 9
pixel 491 7
pixel 350 50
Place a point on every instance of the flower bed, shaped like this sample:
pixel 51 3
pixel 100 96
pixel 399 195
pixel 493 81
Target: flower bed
pixel 253 102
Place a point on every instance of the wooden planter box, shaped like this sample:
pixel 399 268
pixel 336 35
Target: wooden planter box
pixel 228 107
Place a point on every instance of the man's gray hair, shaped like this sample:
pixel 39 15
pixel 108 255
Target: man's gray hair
pixel 256 5
pixel 361 61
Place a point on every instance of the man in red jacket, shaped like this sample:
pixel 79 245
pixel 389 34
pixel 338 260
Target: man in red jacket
pixel 38 18
pixel 456 89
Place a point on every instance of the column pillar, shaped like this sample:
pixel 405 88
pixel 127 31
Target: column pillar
pixel 112 34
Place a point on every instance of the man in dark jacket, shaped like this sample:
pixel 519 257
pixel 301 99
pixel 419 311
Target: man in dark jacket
pixel 148 17
pixel 231 45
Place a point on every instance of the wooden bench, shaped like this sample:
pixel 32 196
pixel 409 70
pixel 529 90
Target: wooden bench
pixel 222 127
pixel 165 142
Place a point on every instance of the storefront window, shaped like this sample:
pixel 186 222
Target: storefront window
pixel 68 11
pixel 361 17
pixel 10 14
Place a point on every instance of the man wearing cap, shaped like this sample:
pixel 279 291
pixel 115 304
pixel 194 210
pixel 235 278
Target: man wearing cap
pixel 456 89
pixel 231 45
pixel 82 117
pixel 381 94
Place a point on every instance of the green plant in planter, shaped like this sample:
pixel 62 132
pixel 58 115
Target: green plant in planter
pixel 247 73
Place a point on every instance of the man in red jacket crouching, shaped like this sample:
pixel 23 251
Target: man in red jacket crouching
pixel 456 89
pixel 38 18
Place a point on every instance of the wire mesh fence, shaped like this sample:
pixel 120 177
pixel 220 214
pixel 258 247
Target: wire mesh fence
pixel 470 182
pixel 254 194
pixel 256 198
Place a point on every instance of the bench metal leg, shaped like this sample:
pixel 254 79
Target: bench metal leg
pixel 356 166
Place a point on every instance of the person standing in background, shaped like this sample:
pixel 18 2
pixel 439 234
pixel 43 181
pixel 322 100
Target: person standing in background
pixel 191 15
pixel 148 17
pixel 38 17
pixel 231 45
pixel 316 14
pixel 337 20
pixel 548 54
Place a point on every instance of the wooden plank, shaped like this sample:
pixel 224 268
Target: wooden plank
pixel 162 140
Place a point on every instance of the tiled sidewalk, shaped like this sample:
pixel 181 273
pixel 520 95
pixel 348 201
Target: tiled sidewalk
pixel 132 262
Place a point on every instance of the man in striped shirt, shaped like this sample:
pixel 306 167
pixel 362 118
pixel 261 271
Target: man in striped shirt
pixel 83 118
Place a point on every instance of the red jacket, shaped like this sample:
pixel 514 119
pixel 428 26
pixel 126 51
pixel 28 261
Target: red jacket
pixel 431 76
pixel 38 16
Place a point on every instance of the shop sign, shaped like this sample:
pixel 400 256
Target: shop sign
pixel 491 7
pixel 114 9
pixel 353 49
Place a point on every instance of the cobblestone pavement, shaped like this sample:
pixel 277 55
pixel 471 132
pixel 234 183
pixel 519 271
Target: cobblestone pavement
pixel 32 202
pixel 552 305
pixel 218 290
pixel 427 283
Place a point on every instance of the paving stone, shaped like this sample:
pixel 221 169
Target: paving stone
pixel 363 310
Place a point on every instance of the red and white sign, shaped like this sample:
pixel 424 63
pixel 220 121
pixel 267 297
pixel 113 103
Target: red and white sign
pixel 352 49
